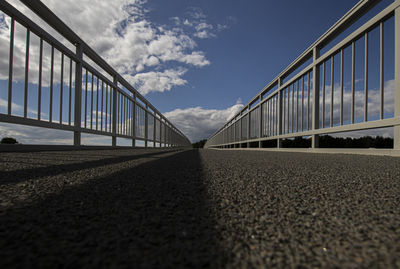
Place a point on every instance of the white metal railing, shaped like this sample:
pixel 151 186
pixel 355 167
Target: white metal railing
pixel 80 96
pixel 310 103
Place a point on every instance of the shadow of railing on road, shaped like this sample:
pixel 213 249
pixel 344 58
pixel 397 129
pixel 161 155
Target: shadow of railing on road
pixel 20 175
pixel 154 215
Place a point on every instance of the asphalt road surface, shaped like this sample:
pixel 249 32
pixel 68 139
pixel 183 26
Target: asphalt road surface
pixel 198 209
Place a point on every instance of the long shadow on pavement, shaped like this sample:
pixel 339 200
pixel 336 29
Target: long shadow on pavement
pixel 16 176
pixel 154 215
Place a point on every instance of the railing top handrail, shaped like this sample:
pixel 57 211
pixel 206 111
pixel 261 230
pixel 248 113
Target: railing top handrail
pixel 57 24
pixel 340 26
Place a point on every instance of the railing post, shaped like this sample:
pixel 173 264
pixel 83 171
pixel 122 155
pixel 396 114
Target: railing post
pixel 78 96
pixel 315 97
pixel 134 121
pixel 279 141
pixel 114 112
pixel 396 131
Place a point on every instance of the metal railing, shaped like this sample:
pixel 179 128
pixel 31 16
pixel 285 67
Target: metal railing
pixel 77 95
pixel 315 100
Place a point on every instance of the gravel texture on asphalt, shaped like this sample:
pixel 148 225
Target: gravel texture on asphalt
pixel 198 208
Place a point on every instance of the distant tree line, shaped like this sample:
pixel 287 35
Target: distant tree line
pixel 361 142
pixel 199 144
pixel 327 141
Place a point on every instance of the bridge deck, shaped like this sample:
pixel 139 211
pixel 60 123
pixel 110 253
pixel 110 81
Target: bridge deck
pixel 160 208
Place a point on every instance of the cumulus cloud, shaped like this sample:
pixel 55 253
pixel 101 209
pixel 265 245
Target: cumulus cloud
pixel 120 32
pixel 158 81
pixel 200 123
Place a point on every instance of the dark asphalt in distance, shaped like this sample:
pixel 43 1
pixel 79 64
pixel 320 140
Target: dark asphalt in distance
pixel 198 208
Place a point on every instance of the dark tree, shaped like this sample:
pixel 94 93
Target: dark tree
pixel 8 140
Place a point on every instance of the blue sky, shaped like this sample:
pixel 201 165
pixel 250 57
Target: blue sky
pixel 261 39
pixel 198 61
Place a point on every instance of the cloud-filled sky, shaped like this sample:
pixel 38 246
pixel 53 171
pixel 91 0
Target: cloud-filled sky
pixel 193 60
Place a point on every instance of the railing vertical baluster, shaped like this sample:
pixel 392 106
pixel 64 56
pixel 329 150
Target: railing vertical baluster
pixel 332 88
pixel 78 96
pixel 288 109
pixel 396 131
pixel 102 106
pixel 123 122
pixel 323 93
pixel 302 103
pixel 134 121
pixel 154 130
pixel 265 116
pixel 10 65
pixel 366 79
pixel 97 104
pixel 114 111
pixel 293 114
pixel 315 104
pixel 86 92
pixel 91 101
pixel 40 79
pixel 235 131
pixel 26 73
pixel 341 84
pixel 269 117
pixel 276 112
pixel 106 114
pixel 297 106
pixel 272 116
pixel 160 130
pixel 61 86
pixel 70 91
pixel 260 121
pixel 118 107
pixel 125 115
pixel 309 115
pixel 381 74
pixel 248 125
pixel 51 84
pixel 130 118
pixel 284 111
pixel 353 74
pixel 120 113
pixel 279 123
pixel 165 133
pixel 109 112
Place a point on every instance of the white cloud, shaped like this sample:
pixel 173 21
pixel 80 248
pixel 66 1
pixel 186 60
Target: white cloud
pixel 204 34
pixel 197 21
pixel 158 81
pixel 120 32
pixel 196 13
pixel 198 123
